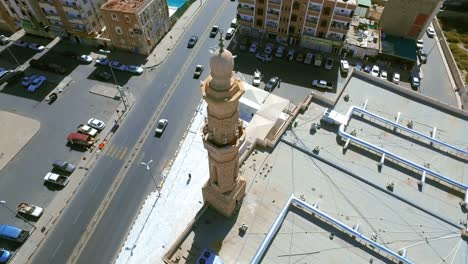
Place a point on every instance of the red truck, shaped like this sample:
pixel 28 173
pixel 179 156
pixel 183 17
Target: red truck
pixel 80 140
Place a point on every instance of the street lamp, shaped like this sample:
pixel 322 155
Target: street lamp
pixel 3 203
pixel 122 94
pixel 148 168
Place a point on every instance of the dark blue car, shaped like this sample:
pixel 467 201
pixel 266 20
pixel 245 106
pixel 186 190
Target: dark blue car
pixel 13 233
pixel 5 255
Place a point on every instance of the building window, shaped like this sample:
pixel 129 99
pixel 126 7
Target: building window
pixel 127 19
pixel 323 23
pixel 259 22
pixel 327 10
pixel 114 17
pixel 260 11
pixel 130 31
pixel 292 29
pixel 293 17
pixel 118 30
pixel 296 5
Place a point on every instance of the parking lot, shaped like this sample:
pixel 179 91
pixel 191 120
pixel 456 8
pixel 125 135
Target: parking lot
pixel 21 180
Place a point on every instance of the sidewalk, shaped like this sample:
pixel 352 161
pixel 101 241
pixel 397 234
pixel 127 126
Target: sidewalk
pixel 169 210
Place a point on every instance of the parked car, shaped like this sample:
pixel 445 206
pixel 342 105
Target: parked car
pixel 420 44
pixel 430 32
pixel 36 83
pixel 4 73
pixel 78 139
pixel 264 57
pixel 358 67
pixel 322 84
pixel 383 74
pixel 64 166
pixel 13 233
pixel 253 47
pixel 4 40
pixel 5 255
pixel 230 33
pixel 103 75
pixel 102 61
pixel 26 81
pixel 271 84
pixel 21 43
pixel 308 58
pixel 214 31
pixel 234 23
pixel 329 64
pixel 134 69
pixel 192 41
pixel 422 56
pixel 30 210
pixel 198 71
pixel 290 55
pixel 375 71
pixel 12 76
pixel 36 47
pixel 87 130
pixel 56 179
pixel 268 48
pixel 96 123
pixel 162 124
pixel 85 58
pixel 368 68
pixel 415 82
pixel 396 78
pixel 300 57
pixel 117 66
pixel 344 66
pixel 257 78
pixel 279 52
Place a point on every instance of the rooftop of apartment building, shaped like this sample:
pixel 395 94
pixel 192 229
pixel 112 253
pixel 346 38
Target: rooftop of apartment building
pixel 346 189
pixel 351 2
pixel 364 33
pixel 125 6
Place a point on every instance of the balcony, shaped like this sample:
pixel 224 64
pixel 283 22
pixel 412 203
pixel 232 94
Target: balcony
pixel 246 10
pixel 343 18
pixel 310 24
pixel 271 28
pixel 309 33
pixel 274 5
pixel 339 30
pixel 273 15
pixel 248 23
pixel 46 1
pixel 313 13
pixel 252 2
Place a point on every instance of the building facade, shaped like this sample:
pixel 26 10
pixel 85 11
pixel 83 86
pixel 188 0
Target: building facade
pixel 408 18
pixel 136 26
pixel 316 24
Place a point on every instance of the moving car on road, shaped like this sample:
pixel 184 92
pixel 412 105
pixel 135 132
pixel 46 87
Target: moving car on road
pixel 192 41
pixel 430 32
pixel 96 123
pixel 322 84
pixel 420 44
pixel 198 71
pixel 85 58
pixel 36 47
pixel 117 66
pixel 214 31
pixel 271 84
pixel 36 83
pixel 134 69
pixel 64 166
pixel 102 61
pixel 29 210
pixel 13 233
pixel 162 124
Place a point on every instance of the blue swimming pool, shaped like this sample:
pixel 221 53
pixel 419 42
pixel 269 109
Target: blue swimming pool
pixel 175 3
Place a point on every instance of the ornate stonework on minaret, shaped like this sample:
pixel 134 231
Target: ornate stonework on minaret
pixel 223 133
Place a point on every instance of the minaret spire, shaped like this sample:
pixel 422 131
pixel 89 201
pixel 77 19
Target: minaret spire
pixel 221 43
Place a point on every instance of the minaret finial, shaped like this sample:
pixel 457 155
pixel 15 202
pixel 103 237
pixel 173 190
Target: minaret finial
pixel 221 43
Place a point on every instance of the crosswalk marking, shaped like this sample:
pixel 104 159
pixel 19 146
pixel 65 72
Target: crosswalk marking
pixel 114 151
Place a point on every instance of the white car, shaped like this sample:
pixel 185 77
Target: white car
pixel 375 71
pixel 36 47
pixel 96 123
pixel 230 32
pixel 383 75
pixel 253 47
pixel 430 32
pixel 290 55
pixel 264 57
pixel 415 82
pixel 420 44
pixel 161 126
pixel 134 69
pixel 257 78
pixel 117 66
pixel 268 48
pixel 344 65
pixel 396 78
pixel 102 61
pixel 85 58
pixel 279 52
pixel 21 43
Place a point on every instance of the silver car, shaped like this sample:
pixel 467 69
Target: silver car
pixel 162 124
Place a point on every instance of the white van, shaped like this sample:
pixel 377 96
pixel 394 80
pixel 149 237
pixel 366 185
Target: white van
pixel 234 23
pixel 230 32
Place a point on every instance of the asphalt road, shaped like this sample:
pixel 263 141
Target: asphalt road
pixel 112 228
pixel 435 82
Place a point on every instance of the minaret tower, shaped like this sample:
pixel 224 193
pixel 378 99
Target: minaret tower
pixel 223 133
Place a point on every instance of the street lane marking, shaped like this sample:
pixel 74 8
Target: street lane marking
pixel 123 154
pixel 78 216
pixel 110 147
pixel 56 249
pixel 78 249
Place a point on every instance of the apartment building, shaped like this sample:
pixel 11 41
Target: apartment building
pixel 136 25
pixel 15 14
pixel 408 18
pixel 316 24
pixel 78 20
